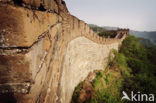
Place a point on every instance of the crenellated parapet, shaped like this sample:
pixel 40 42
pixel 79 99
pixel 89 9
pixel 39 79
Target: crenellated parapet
pixel 121 32
pixel 34 40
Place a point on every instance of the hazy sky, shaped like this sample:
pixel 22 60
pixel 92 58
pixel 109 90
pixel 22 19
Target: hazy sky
pixel 133 14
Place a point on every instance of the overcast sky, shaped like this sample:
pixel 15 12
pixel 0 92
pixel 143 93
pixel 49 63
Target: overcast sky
pixel 134 14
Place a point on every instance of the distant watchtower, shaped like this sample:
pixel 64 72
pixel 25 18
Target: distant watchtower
pixel 123 31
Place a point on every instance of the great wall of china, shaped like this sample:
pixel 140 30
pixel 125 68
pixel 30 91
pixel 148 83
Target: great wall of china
pixel 45 51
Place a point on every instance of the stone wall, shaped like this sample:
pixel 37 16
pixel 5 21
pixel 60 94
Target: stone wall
pixel 35 48
pixel 82 57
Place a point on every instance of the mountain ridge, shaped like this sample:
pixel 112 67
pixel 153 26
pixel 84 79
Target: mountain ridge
pixel 151 35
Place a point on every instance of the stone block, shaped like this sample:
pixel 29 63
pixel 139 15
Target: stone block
pixel 14 69
pixel 20 27
pixel 24 67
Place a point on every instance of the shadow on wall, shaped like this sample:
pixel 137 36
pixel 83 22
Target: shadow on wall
pixel 18 2
pixel 7 98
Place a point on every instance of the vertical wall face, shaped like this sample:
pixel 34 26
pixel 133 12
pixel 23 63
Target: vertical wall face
pixel 82 57
pixel 44 54
pixel 29 48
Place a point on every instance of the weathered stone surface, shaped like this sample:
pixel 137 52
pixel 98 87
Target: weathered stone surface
pixel 43 5
pixel 50 50
pixel 22 88
pixel 25 67
pixel 6 0
pixel 82 57
pixel 22 27
pixel 14 69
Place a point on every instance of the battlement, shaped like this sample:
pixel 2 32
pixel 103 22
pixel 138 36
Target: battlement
pixel 120 29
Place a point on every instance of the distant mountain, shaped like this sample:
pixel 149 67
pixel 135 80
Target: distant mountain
pixel 147 35
pixel 110 28
pixel 151 35
pixel 97 28
pixel 147 43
